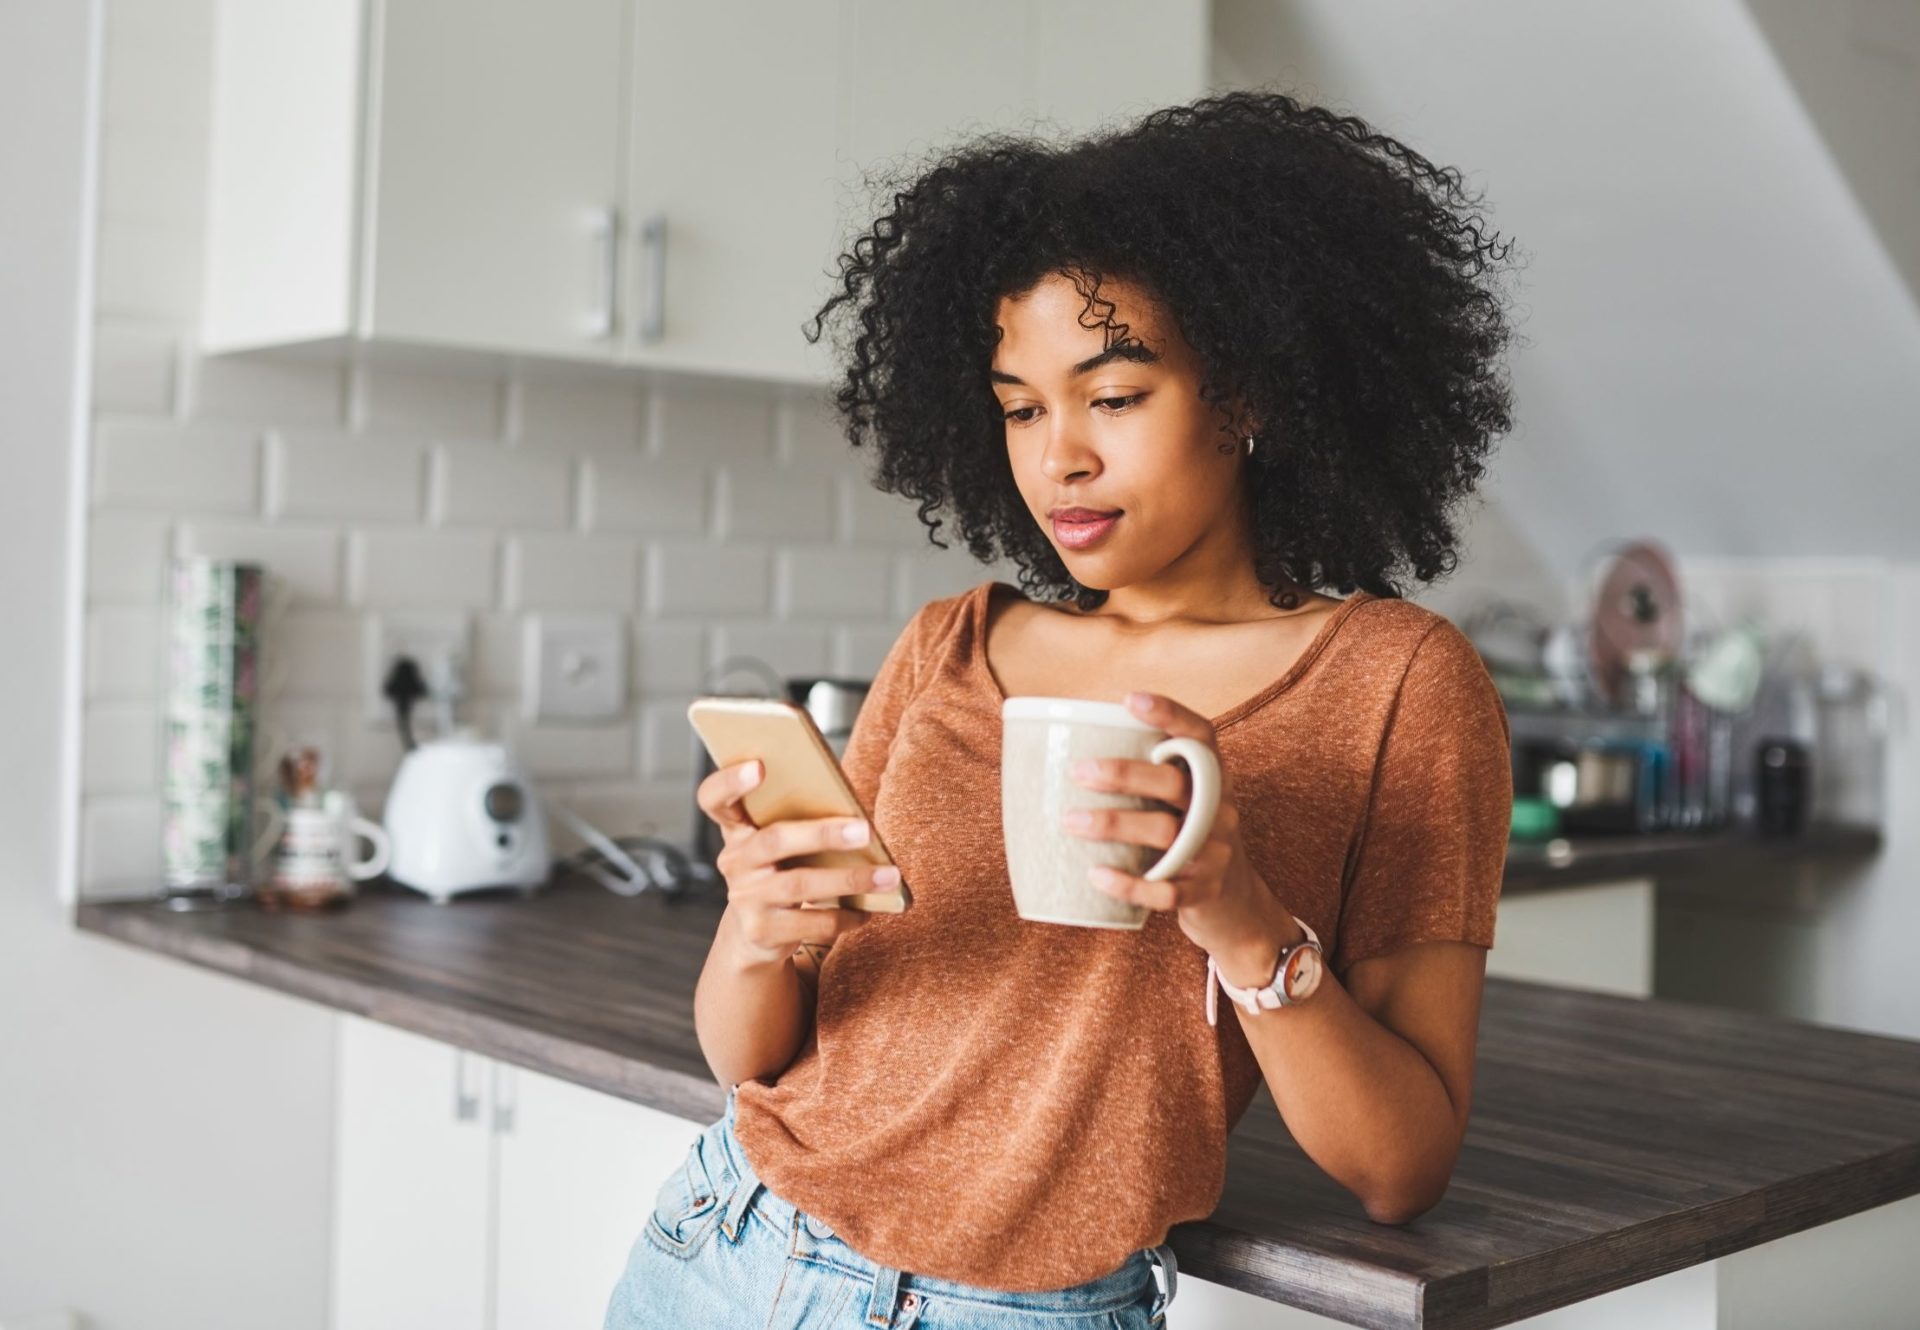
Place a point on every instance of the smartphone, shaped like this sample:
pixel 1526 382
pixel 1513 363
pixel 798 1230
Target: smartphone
pixel 801 778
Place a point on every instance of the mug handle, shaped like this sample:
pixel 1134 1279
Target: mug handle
pixel 375 835
pixel 1204 767
pixel 269 835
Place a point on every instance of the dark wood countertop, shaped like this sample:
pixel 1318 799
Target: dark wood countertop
pixel 1575 860
pixel 1613 1138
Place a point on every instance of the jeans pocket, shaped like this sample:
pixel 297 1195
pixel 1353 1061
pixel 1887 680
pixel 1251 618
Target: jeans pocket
pixel 688 1205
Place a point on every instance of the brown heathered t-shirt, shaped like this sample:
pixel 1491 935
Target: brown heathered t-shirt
pixel 1021 1106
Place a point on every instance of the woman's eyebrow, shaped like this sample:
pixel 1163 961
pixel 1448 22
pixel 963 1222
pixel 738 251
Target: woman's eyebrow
pixel 1137 352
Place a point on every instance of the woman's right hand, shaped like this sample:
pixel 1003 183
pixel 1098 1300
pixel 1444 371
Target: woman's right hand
pixel 766 899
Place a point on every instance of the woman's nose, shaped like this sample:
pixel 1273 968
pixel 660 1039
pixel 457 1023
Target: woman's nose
pixel 1069 452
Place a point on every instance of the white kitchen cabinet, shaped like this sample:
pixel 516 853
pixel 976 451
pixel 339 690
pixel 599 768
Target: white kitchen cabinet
pixel 412 1191
pixel 755 126
pixel 577 1172
pixel 470 1194
pixel 438 172
pixel 634 183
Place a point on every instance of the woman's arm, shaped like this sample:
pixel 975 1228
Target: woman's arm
pixel 751 1015
pixel 1374 1076
pixel 750 1006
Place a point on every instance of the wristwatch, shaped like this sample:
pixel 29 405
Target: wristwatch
pixel 1294 978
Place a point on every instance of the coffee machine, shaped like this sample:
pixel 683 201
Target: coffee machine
pixel 832 702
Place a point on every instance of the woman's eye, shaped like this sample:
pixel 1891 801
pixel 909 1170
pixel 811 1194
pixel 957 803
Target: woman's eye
pixel 1021 415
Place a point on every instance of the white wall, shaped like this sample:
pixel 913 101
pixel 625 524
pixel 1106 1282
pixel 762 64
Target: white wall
pixel 162 1132
pixel 1721 353
pixel 1857 68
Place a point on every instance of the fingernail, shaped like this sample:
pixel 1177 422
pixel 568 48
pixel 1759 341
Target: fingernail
pixel 886 877
pixel 1139 701
pixel 750 774
pixel 855 833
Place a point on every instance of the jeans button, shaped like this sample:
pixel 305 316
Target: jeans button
pixel 819 1227
pixel 910 1301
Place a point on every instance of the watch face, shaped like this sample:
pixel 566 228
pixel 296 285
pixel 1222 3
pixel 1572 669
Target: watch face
pixel 1303 973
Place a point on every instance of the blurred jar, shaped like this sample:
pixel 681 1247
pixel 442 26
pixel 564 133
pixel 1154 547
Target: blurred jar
pixel 1854 711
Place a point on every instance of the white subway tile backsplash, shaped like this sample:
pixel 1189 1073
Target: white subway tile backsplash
pixel 240 388
pixel 486 484
pixel 835 581
pixel 289 723
pixel 126 556
pixel 563 415
pixel 572 572
pixel 342 476
pixel 761 503
pixel 788 649
pixel 120 846
pixel 320 652
pixel 602 748
pixel 638 494
pixel 937 573
pixel 498 642
pixel 666 738
pixel 158 464
pixel 668 657
pixel 147 270
pixel 863 647
pixel 686 577
pixel 134 368
pixel 305 558
pixel 874 518
pixel 124 658
pixel 369 755
pixel 810 434
pixel 709 426
pixel 416 569
pixel 121 752
pixel 447 404
pixel 662 808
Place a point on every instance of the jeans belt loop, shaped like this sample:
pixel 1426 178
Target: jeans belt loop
pixel 886 1287
pixel 744 1191
pixel 1163 1257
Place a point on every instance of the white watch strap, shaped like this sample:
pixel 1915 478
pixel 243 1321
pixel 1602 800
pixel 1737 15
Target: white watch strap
pixel 1252 1000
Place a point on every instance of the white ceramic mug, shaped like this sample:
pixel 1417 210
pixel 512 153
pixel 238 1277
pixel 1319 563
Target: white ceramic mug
pixel 304 840
pixel 1041 739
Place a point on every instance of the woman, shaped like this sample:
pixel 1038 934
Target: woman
pixel 1260 334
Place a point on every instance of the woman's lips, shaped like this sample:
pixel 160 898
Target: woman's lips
pixel 1079 535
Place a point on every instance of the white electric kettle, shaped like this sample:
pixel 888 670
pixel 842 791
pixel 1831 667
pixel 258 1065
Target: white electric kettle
pixel 462 817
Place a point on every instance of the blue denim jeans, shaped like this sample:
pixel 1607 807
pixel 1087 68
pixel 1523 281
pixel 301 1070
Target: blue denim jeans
pixel 722 1250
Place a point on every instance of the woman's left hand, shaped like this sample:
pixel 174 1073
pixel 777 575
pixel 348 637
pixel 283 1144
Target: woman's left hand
pixel 1221 903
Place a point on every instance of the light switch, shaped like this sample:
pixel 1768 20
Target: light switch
pixel 574 667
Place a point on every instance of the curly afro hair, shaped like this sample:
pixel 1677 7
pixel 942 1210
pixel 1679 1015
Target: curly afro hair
pixel 1327 277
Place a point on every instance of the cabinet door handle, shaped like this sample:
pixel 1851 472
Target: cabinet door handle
pixel 653 235
pixel 604 225
pixel 506 1096
pixel 466 1103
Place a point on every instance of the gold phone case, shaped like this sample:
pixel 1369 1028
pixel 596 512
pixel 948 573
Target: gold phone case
pixel 802 779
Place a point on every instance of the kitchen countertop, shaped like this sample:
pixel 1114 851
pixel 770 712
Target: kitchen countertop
pixel 1575 860
pixel 1613 1139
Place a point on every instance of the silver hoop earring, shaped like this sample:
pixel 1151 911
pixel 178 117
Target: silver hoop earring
pixel 1249 445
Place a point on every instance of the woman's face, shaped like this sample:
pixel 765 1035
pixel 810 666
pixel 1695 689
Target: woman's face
pixel 1117 429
